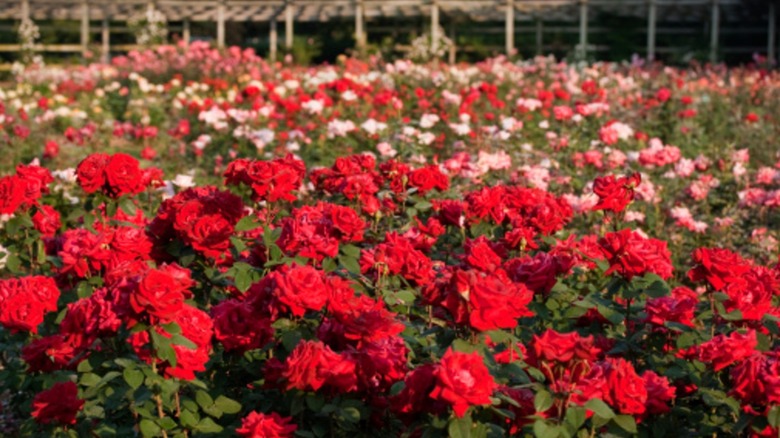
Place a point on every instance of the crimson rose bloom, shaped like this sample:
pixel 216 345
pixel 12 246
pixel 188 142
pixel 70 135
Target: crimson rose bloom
pixel 91 172
pixel 259 425
pixel 47 221
pixel 299 288
pixel 722 351
pixel 12 194
pixel 159 295
pixel 313 365
pixel 463 380
pixel 659 393
pixel 123 176
pixel 564 347
pixel 494 301
pixel 615 193
pixel 629 254
pixel 625 391
pixel 58 404
pixel 718 266
pixel 25 300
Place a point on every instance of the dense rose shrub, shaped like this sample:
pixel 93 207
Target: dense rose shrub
pixel 196 242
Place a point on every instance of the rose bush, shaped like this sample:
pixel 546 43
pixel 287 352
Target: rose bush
pixel 202 243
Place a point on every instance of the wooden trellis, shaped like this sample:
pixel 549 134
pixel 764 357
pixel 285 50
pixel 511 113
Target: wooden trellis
pixel 510 12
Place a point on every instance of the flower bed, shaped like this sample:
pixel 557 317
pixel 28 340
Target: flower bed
pixel 488 250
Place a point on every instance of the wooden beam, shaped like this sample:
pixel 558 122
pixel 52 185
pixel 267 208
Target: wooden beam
pixel 221 24
pixel 714 30
pixel 186 36
pixel 453 48
pixel 434 26
pixel 105 38
pixel 651 24
pixel 288 25
pixel 510 27
pixel 84 28
pixel 360 32
pixel 25 10
pixel 272 40
pixel 582 49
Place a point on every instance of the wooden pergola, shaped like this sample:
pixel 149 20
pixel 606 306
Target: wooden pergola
pixel 289 12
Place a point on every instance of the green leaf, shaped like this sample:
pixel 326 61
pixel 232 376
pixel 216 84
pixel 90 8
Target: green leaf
pixel 351 251
pixel 183 341
pixel 247 223
pixel 128 206
pixel 460 427
pixel 189 419
pixel 626 422
pixel 350 264
pixel 600 408
pixel 134 378
pixel 242 280
pixel 13 264
pixel 352 415
pixel 207 425
pixel 204 399
pixel 774 416
pixel 227 405
pixel 149 428
pixel 543 400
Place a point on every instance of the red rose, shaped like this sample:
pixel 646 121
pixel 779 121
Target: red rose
pixel 348 223
pixel 718 266
pixel 47 221
pixel 91 172
pixel 123 176
pixel 25 300
pixel 300 288
pixel 625 390
pixel 615 193
pixel 722 351
pixel 494 301
pixel 313 365
pixel 629 254
pixel 659 393
pixel 51 353
pixel 58 404
pixel 158 295
pixel 463 380
pixel 427 179
pixel 238 328
pixel 12 194
pixel 413 399
pixel 259 425
pixel 36 181
pixel 553 346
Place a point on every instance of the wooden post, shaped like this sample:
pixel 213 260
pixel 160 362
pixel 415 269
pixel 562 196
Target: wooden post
pixel 651 19
pixel 770 46
pixel 25 10
pixel 453 48
pixel 360 32
pixel 185 31
pixel 288 26
pixel 221 24
pixel 434 26
pixel 539 36
pixel 105 38
pixel 714 31
pixel 272 40
pixel 84 28
pixel 582 51
pixel 510 27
